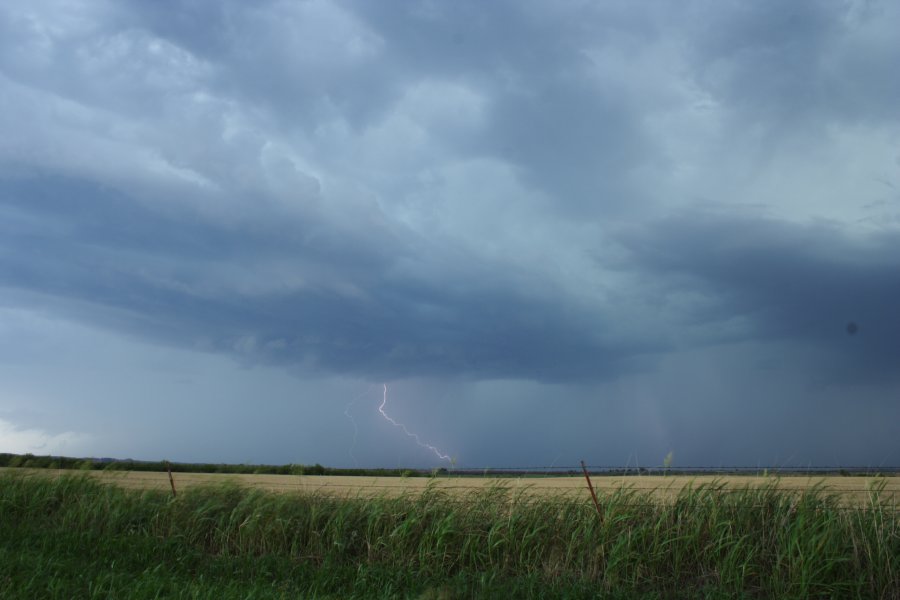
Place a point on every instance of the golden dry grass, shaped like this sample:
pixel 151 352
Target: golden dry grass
pixel 852 490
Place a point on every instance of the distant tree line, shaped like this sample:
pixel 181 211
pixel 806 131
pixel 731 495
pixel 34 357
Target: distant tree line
pixel 30 461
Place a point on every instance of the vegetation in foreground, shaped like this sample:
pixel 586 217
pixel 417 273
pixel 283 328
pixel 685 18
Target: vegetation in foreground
pixel 72 537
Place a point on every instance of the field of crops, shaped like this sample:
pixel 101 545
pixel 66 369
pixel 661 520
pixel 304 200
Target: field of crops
pixel 849 490
pixel 73 535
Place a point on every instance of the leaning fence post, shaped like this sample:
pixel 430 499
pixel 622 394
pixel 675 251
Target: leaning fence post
pixel 591 487
pixel 171 479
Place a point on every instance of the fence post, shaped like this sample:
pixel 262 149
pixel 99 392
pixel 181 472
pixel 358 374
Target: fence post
pixel 171 479
pixel 591 488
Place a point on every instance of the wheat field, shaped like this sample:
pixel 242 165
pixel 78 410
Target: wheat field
pixel 854 490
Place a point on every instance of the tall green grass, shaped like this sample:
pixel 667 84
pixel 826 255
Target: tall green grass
pixel 74 537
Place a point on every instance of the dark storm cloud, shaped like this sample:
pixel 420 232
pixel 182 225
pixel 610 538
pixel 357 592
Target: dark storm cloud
pixel 228 176
pixel 802 59
pixel 551 114
pixel 302 62
pixel 91 251
pixel 784 282
pixel 496 207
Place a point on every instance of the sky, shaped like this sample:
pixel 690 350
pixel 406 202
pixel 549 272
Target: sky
pixel 530 233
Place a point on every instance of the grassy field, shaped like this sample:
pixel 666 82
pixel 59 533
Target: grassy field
pixel 848 490
pixel 75 536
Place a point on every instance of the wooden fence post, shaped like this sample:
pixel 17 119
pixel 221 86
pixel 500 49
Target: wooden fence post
pixel 171 479
pixel 591 487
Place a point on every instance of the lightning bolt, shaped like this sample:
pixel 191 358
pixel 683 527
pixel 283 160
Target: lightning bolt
pixel 415 437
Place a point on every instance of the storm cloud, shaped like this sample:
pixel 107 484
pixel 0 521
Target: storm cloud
pixel 764 279
pixel 556 202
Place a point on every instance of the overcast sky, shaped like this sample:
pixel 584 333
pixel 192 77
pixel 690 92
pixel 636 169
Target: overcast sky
pixel 554 230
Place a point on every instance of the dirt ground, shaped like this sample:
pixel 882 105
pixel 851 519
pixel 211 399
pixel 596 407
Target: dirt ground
pixel 852 490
